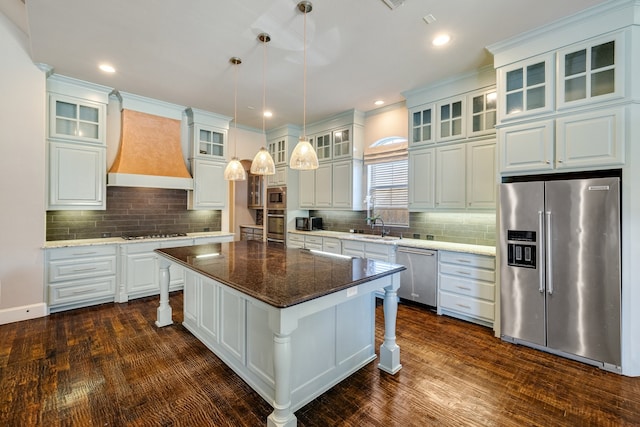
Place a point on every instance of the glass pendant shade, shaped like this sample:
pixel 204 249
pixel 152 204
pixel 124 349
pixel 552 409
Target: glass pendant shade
pixel 263 163
pixel 235 171
pixel 304 157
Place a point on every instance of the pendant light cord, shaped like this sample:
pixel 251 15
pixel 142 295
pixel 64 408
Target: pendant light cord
pixel 235 114
pixel 264 84
pixel 304 79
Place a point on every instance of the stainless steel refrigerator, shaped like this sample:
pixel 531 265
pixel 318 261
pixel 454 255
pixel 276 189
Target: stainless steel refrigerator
pixel 560 267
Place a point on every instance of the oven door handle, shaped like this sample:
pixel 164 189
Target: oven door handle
pixel 275 215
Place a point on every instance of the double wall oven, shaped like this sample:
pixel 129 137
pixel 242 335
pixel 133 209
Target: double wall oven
pixel 276 214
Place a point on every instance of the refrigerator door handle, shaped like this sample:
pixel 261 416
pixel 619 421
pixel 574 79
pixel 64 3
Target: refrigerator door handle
pixel 541 268
pixel 549 254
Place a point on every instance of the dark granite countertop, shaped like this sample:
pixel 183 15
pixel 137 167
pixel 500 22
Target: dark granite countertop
pixel 277 275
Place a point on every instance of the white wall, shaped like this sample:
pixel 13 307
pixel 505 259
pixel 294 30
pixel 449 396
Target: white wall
pixel 385 122
pixel 22 178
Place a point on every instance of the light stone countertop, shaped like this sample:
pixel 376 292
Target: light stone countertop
pixel 252 226
pixel 120 240
pixel 412 243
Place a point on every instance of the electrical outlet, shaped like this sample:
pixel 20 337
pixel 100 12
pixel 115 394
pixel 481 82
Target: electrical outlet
pixel 416 235
pixel 429 236
pixel 206 229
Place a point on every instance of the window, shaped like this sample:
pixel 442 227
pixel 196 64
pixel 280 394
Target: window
pixel 388 181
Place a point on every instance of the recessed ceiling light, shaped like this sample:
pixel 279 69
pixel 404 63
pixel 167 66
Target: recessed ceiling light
pixel 268 114
pixel 107 68
pixel 379 102
pixel 441 40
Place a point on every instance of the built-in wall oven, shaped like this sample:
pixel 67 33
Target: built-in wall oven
pixel 276 214
pixel 276 226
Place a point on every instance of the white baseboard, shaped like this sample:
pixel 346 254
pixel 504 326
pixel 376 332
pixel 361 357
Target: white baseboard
pixel 25 312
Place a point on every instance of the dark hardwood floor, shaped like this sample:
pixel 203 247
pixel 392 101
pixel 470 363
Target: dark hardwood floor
pixel 110 366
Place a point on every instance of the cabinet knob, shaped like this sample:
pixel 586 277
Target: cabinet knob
pixel 559 161
pixel 547 162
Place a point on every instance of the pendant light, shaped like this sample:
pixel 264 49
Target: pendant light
pixel 304 156
pixel 263 162
pixel 234 170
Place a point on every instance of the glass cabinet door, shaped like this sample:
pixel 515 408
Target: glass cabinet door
pixel 525 87
pixel 483 112
pixel 278 150
pixel 422 119
pixel 341 143
pixel 210 142
pixel 590 71
pixel 76 119
pixel 323 146
pixel 451 119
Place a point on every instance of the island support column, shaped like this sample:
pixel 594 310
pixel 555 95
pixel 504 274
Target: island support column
pixel 164 312
pixel 282 327
pixel 389 350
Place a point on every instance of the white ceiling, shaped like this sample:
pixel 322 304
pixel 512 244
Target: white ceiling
pixel 358 51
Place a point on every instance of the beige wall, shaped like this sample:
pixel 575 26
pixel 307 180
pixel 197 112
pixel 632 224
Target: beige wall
pixel 22 178
pixel 385 122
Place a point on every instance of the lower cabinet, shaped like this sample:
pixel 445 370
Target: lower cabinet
pixel 250 233
pixel 331 245
pixel 466 287
pixel 80 276
pixel 140 269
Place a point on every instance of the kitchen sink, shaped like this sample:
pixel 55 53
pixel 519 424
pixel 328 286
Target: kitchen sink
pixel 371 237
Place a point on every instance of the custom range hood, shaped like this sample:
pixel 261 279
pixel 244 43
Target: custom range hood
pixel 150 153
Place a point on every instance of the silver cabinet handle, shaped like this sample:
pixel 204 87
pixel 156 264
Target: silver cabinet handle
pixel 84 253
pixel 464 288
pixel 466 273
pixel 464 306
pixel 549 255
pixel 464 261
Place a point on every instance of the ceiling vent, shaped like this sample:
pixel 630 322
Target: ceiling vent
pixel 393 3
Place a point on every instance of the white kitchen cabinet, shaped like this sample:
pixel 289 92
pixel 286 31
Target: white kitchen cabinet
pixel 422 165
pixel 80 276
pixel 278 149
pixel 324 186
pixel 591 139
pixel 207 134
pixel 76 119
pixel 591 71
pixel 209 186
pixel 279 179
pixel 482 113
pixel 331 245
pixel 139 269
pixel 342 142
pixel 323 144
pixel 466 286
pixel 348 185
pixel 313 242
pixel 527 147
pixel 295 240
pixel 76 176
pixel 76 144
pixel 481 174
pixel 525 88
pixel 422 125
pixel 361 249
pixel 353 248
pixel 451 119
pixel 307 188
pixel 450 176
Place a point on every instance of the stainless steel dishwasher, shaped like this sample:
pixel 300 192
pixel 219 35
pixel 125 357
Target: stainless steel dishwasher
pixel 418 281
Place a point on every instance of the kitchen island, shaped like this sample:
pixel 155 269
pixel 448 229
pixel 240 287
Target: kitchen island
pixel 292 323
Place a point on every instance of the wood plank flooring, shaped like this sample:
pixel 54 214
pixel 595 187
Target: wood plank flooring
pixel 110 366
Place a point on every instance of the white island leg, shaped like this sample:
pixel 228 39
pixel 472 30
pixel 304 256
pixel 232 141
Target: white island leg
pixel 389 350
pixel 164 312
pixel 282 327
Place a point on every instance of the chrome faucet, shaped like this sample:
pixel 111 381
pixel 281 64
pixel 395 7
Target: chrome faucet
pixel 373 221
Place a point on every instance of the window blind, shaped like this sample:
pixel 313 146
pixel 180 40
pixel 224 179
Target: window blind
pixel 388 184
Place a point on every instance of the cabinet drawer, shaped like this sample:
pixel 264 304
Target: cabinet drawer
pixel 469 306
pixel 467 287
pixel 352 245
pixel 468 259
pixel 315 240
pixel 469 272
pixel 331 245
pixel 72 269
pixel 75 252
pixel 296 237
pixel 69 292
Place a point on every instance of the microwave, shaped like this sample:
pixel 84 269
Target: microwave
pixel 277 198
pixel 308 224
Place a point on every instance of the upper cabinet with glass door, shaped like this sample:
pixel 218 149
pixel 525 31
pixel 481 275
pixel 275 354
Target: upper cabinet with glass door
pixel 278 149
pixel 482 111
pixel 451 119
pixel 591 71
pixel 342 143
pixel 322 143
pixel 208 134
pixel 526 88
pixel 422 120
pixel 76 119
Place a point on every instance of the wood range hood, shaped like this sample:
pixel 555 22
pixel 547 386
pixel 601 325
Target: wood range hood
pixel 150 152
